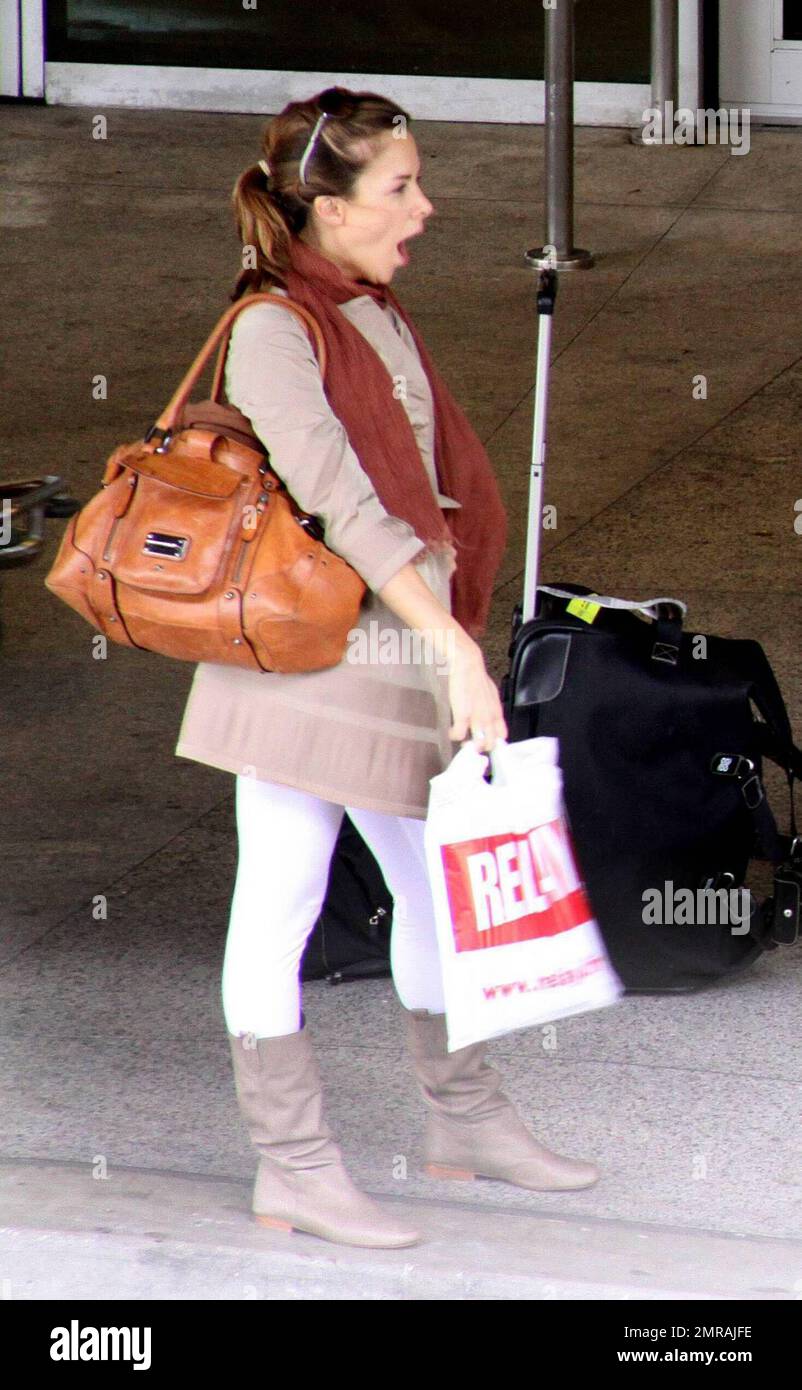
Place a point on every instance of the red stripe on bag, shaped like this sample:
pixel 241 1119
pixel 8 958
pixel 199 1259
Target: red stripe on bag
pixel 503 889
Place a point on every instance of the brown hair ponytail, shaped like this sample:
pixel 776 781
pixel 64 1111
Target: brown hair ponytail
pixel 270 210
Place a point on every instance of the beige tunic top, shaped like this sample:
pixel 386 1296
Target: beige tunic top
pixel 371 731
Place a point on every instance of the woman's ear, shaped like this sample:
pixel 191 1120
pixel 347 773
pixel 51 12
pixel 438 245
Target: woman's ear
pixel 329 209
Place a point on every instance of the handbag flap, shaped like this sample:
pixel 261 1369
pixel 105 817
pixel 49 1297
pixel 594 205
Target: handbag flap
pixel 171 541
pixel 187 465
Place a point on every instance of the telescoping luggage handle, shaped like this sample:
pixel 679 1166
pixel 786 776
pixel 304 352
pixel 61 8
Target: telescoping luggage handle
pixel 651 608
pixel 546 295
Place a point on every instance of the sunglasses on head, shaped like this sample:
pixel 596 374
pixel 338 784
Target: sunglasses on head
pixel 332 102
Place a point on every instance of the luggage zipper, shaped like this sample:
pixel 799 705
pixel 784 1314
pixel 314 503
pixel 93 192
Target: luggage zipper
pixel 110 537
pixel 261 503
pixel 118 518
pixel 238 564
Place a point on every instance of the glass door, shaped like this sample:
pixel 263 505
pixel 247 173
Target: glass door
pixel 469 61
pixel 792 21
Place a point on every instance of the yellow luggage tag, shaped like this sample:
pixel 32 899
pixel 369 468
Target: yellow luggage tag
pixel 583 608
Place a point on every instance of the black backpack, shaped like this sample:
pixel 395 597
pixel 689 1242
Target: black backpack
pixel 662 758
pixel 351 938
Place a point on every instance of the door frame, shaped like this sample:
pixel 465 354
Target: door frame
pixel 758 68
pixel 22 48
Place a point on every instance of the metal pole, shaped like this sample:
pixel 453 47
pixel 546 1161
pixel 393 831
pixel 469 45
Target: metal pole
pixel 559 145
pixel 664 52
pixel 664 71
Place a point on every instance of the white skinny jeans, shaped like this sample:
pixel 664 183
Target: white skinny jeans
pixel 286 838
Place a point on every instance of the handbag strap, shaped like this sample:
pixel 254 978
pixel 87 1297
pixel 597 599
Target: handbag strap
pixel 220 334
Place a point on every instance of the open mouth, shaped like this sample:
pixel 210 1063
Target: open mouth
pixel 402 247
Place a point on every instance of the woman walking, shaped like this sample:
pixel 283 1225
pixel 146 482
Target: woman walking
pixel 386 459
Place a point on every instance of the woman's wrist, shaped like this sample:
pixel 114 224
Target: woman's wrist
pixel 464 648
pixel 408 595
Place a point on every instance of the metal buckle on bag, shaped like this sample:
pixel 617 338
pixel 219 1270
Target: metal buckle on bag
pixel 743 770
pixel 167 436
pixel 312 526
pixel 725 764
pixel 160 543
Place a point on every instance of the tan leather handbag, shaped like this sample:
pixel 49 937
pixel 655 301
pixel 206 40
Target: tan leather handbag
pixel 194 549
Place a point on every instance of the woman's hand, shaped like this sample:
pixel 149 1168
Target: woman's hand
pixel 475 702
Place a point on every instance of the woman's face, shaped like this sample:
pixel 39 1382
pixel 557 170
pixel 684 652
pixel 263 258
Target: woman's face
pixel 363 234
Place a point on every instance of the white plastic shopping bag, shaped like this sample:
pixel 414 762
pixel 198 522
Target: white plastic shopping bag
pixel 517 939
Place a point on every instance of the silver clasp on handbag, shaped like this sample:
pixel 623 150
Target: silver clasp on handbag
pixel 160 543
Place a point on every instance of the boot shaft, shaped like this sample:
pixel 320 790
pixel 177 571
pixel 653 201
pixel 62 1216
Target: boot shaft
pixel 278 1086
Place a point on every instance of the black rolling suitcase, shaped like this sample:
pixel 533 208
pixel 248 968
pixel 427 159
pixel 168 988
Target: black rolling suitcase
pixel 662 758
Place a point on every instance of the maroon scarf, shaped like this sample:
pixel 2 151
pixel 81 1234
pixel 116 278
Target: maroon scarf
pixel 360 391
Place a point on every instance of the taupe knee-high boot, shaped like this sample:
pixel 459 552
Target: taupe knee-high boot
pixel 472 1128
pixel 301 1182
